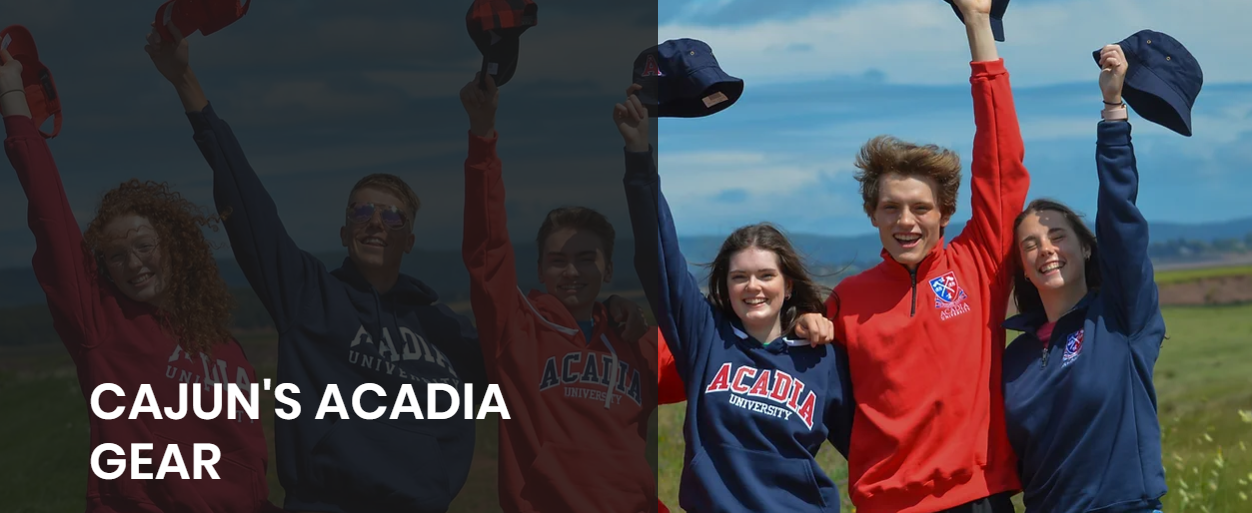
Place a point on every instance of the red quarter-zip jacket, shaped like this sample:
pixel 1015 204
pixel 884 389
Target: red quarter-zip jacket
pixel 113 339
pixel 577 439
pixel 925 347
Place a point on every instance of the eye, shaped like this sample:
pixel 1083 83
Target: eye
pixel 1029 246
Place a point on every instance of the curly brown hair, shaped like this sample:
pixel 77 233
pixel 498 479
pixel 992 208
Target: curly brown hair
pixel 886 154
pixel 198 316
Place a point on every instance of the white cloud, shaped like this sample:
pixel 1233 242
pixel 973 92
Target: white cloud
pixel 922 42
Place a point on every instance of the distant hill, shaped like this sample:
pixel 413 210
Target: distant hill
pixel 1173 243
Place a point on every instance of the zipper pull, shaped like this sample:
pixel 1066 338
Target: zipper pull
pixel 1043 357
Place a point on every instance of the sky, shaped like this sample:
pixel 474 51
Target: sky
pixel 321 93
pixel 821 78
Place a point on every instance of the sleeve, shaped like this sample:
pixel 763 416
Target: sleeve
pixel 842 408
pixel 280 273
pixel 66 274
pixel 485 245
pixel 1128 279
pixel 999 178
pixel 683 314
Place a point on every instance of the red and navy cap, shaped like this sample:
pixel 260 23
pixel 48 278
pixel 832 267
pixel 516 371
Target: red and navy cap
pixel 997 16
pixel 496 27
pixel 682 79
pixel 207 16
pixel 1162 81
pixel 40 89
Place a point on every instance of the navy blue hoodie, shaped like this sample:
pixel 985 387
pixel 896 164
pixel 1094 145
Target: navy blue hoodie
pixel 757 414
pixel 336 329
pixel 1082 415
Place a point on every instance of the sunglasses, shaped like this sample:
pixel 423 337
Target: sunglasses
pixel 392 216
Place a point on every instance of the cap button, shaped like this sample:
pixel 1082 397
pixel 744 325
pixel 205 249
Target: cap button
pixel 1167 57
pixel 693 52
pixel 1149 41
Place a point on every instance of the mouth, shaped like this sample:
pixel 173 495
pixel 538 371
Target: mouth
pixel 373 242
pixel 1052 267
pixel 908 240
pixel 572 288
pixel 141 280
pixel 755 302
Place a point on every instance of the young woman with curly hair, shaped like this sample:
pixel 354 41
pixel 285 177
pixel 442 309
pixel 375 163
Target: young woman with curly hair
pixel 138 302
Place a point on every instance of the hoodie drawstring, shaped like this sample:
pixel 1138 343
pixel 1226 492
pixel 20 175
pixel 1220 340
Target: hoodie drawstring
pixel 608 398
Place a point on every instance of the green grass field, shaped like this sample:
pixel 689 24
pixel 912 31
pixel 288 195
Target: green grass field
pixel 1203 379
pixel 1182 275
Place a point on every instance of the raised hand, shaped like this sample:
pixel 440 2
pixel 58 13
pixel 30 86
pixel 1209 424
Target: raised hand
pixel 172 58
pixel 480 104
pixel 12 92
pixel 1113 67
pixel 631 118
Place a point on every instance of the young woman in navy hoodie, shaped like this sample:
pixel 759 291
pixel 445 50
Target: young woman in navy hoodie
pixel 137 300
pixel 759 404
pixel 1079 400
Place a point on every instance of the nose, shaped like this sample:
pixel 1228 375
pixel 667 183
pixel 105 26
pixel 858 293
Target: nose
pixel 569 270
pixel 133 262
pixel 906 220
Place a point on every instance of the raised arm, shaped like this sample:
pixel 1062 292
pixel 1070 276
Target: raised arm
pixel 485 245
pixel 61 265
pixel 279 272
pixel 999 178
pixel 682 312
pixel 1127 274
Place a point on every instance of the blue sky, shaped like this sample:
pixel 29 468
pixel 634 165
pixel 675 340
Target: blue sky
pixel 321 93
pixel 823 77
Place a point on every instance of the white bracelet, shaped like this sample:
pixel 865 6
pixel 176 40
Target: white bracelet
pixel 11 91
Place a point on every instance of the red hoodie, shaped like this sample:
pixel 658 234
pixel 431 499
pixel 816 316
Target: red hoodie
pixel 574 443
pixel 925 350
pixel 115 340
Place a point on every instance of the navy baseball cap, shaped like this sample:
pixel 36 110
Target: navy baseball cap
pixel 496 27
pixel 1163 79
pixel 997 16
pixel 681 79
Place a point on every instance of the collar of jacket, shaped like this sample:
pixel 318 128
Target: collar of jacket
pixel 408 290
pixel 895 269
pixel 776 346
pixel 1030 322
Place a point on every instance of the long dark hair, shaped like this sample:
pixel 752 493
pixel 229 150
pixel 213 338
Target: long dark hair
pixel 806 294
pixel 1025 295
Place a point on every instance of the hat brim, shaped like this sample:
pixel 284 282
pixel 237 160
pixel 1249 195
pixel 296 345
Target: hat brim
pixel 702 93
pixel 19 42
pixel 1155 100
pixel 500 59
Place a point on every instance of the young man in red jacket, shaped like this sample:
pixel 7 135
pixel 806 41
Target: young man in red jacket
pixel 922 328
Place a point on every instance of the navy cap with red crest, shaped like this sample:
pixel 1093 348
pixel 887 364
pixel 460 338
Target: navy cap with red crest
pixel 496 26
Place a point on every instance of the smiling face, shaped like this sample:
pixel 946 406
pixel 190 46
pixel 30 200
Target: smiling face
pixel 134 260
pixel 573 268
pixel 908 218
pixel 757 288
pixel 1052 255
pixel 371 243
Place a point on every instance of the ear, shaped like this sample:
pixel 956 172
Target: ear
pixel 608 272
pixel 408 243
pixel 345 235
pixel 872 221
pixel 943 223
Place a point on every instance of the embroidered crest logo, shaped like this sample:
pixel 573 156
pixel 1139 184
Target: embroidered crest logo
pixel 1073 347
pixel 650 69
pixel 949 296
